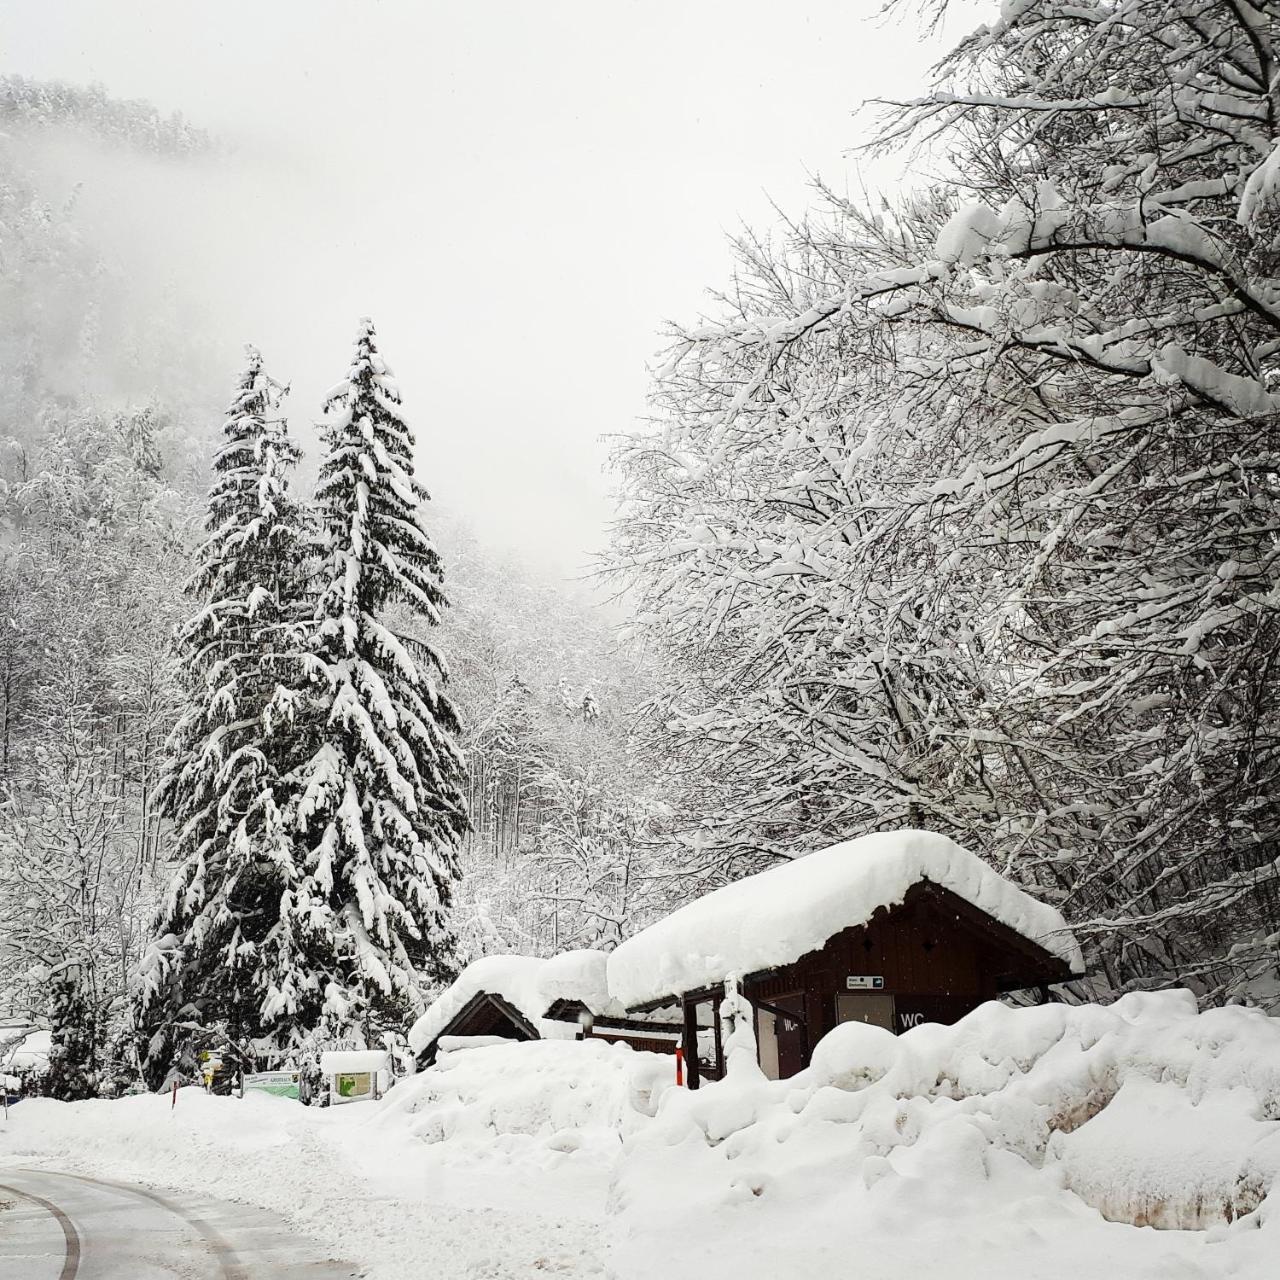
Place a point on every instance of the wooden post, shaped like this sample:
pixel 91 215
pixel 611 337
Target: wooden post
pixel 715 1022
pixel 691 1042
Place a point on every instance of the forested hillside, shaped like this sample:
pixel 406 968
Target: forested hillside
pixel 97 491
pixel 109 420
pixel 956 511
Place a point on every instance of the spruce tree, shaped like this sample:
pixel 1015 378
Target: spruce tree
pixel 72 1070
pixel 382 804
pixel 223 952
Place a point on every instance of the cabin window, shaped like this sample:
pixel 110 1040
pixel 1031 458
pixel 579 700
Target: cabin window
pixel 872 1007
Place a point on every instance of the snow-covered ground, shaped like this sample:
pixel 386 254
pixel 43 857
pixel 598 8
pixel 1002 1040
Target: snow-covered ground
pixel 1015 1144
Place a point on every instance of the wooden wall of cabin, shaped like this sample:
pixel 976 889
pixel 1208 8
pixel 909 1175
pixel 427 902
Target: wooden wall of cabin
pixel 936 966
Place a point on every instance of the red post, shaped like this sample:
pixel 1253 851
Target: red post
pixel 174 1101
pixel 679 1067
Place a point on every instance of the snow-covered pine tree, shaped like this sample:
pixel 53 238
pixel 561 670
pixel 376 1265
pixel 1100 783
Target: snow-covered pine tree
pixel 72 1071
pixel 382 804
pixel 223 951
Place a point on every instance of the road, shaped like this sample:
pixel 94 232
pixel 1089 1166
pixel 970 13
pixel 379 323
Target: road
pixel 61 1226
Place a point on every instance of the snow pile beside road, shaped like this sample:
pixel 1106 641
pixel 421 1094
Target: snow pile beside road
pixel 400 1207
pixel 1015 1143
pixel 566 1094
pixel 968 1142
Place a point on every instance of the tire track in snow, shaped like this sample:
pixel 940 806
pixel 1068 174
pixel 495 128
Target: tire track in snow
pixel 222 1251
pixel 70 1236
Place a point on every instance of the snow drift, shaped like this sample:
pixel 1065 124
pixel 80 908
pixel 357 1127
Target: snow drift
pixel 1018 1142
pixel 1074 1119
pixel 1014 1140
pixel 566 1093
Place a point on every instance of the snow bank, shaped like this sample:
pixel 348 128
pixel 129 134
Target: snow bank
pixel 1153 1157
pixel 400 1208
pixel 568 1094
pixel 781 914
pixel 1016 1142
pixel 531 984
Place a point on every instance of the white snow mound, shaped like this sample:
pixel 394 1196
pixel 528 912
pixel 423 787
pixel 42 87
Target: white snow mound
pixel 1016 1142
pixel 568 1094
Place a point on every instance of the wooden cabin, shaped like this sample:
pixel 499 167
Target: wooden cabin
pixel 529 998
pixel 893 929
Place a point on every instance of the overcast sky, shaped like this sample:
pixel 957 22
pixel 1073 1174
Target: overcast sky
pixel 519 194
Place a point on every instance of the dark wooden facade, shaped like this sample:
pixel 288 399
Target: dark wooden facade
pixel 659 1032
pixel 931 958
pixel 485 1014
pixel 489 1014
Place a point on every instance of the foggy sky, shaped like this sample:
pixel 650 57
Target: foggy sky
pixel 519 194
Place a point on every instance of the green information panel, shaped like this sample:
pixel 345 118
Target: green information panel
pixel 357 1084
pixel 284 1084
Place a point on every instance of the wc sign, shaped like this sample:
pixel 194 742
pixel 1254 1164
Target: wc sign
pixel 908 1020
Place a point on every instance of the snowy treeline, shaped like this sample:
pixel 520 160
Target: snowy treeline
pixel 566 847
pixel 963 513
pixel 109 430
pixel 94 502
pixel 43 103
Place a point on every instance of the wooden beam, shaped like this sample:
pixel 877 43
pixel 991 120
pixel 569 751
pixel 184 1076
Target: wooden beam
pixel 715 1022
pixel 692 1074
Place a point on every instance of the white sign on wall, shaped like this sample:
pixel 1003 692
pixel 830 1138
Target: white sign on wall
pixel 864 982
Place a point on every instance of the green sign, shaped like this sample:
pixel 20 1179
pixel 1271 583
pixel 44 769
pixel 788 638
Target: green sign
pixel 284 1084
pixel 355 1084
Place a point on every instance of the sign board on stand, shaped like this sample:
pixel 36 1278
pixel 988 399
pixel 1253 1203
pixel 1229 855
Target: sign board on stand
pixel 284 1084
pixel 356 1075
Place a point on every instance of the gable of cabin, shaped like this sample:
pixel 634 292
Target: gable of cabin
pixel 485 1014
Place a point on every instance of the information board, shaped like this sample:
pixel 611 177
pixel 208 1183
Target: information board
pixel 284 1084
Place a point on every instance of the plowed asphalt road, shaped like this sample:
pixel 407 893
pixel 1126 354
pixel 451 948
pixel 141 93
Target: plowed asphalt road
pixel 60 1226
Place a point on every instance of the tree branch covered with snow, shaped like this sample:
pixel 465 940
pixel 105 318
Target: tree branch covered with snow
pixel 964 514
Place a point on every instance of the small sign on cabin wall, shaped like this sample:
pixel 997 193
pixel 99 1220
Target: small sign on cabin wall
pixel 864 982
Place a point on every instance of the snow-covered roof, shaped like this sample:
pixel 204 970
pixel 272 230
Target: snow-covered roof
pixel 779 915
pixel 352 1061
pixel 530 984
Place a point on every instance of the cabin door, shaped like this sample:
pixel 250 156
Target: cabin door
pixel 792 1038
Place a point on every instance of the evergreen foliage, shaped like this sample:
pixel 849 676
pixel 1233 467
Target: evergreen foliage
pixel 225 950
pixel 71 1074
pixel 381 803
